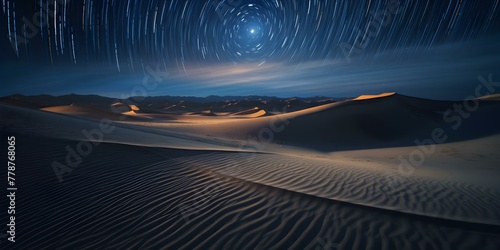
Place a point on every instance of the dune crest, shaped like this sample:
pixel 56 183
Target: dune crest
pixel 250 113
pixel 493 97
pixel 367 97
pixel 131 112
pixel 69 110
pixel 134 107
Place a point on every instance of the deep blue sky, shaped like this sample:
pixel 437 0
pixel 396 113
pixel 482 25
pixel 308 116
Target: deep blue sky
pixel 433 49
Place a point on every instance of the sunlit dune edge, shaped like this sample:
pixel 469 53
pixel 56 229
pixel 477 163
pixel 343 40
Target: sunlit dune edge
pixel 367 97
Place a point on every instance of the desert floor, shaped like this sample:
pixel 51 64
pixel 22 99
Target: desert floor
pixel 344 175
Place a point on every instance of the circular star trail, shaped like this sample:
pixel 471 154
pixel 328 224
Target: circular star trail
pixel 189 34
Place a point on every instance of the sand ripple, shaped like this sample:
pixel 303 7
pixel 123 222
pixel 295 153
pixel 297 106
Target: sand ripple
pixel 126 197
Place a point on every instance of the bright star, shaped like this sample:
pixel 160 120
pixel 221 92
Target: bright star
pixel 252 31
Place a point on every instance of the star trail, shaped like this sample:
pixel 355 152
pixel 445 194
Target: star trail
pixel 186 37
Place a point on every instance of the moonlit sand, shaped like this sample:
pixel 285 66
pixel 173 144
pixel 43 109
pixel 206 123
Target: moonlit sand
pixel 345 174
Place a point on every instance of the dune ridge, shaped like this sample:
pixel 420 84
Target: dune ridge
pixel 366 97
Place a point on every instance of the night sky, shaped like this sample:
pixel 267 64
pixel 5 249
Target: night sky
pixel 426 48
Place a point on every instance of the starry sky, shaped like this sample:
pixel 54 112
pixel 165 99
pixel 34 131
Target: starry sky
pixel 426 48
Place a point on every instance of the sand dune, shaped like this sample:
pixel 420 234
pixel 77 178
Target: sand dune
pixel 131 112
pixel 329 177
pixel 69 110
pixel 369 185
pixel 166 200
pixel 368 176
pixel 82 112
pixel 135 116
pixel 169 104
pixel 494 97
pixel 387 121
pixel 27 121
pixel 250 113
pixel 367 97
pixel 134 107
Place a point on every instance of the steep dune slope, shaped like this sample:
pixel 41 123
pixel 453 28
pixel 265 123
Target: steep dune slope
pixel 385 121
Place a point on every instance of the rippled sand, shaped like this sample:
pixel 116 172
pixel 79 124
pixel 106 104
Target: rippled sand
pixel 132 197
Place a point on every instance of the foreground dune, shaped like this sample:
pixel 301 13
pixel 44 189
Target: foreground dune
pixel 136 197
